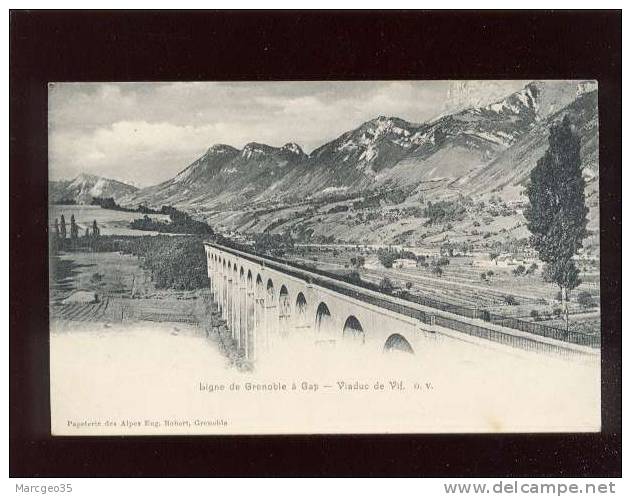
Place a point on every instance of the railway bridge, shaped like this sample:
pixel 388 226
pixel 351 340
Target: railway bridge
pixel 265 300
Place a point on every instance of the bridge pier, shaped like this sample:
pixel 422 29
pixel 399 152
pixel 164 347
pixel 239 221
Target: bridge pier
pixel 250 338
pixel 271 325
pixel 241 316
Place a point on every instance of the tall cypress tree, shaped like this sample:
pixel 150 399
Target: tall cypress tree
pixel 74 229
pixel 557 214
pixel 63 227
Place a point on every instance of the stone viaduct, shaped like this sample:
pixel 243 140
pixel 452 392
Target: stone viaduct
pixel 262 302
pixel 265 300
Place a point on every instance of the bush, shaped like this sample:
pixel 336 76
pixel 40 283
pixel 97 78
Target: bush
pixel 385 285
pixel 519 270
pixel 483 276
pixel 490 273
pixel 443 211
pixel 387 257
pixel 338 208
pixel 354 277
pixel 586 300
pixel 510 300
pixel 534 314
pixel 532 268
pixel 181 222
pixel 358 261
pixel 557 312
pixel 437 270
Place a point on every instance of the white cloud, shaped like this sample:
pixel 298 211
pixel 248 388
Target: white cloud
pixel 147 132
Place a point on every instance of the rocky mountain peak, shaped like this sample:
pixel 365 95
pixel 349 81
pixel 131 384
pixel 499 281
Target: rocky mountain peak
pixel 293 148
pixel 254 149
pixel 83 178
pixel 221 148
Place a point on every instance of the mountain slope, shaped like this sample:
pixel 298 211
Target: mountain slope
pixel 475 150
pixel 512 167
pixel 85 187
pixel 224 175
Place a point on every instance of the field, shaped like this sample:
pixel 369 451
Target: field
pixel 124 291
pixel 526 297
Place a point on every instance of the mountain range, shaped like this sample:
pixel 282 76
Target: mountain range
pixel 474 151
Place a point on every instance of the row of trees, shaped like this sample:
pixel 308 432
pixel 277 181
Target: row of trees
pixel 110 203
pixel 60 229
pixel 180 223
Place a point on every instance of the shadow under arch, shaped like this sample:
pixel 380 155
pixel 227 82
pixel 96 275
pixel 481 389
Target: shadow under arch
pixel 284 310
pixel 353 330
pixel 270 291
pixel 301 310
pixel 323 319
pixel 397 343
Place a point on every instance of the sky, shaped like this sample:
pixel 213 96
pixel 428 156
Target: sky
pixel 145 133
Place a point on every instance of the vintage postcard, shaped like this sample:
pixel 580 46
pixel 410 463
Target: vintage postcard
pixel 324 257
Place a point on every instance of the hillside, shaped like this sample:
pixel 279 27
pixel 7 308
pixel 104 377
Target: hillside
pixel 383 151
pixel 85 187
pixel 479 154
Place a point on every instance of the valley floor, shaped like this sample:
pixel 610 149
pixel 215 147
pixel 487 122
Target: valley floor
pixel 460 284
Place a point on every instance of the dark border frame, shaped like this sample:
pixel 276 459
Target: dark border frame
pixel 301 45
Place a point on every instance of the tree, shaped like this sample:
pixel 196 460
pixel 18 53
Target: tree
pixel 385 285
pixel 74 229
pixel 557 215
pixel 62 229
pixel 493 256
pixel 586 300
pixel 437 270
pixel 95 230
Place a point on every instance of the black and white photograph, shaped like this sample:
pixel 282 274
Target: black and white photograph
pixel 324 257
pixel 315 243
